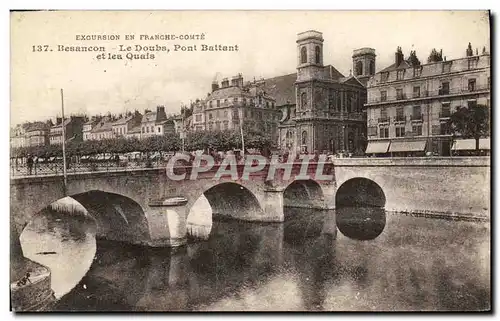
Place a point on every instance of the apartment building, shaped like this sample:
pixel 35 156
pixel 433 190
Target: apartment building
pixel 409 103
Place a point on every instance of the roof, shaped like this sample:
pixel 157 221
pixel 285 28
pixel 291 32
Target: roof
pixel 332 73
pixel 281 88
pixel 149 116
pixel 403 65
pixel 66 122
pixel 353 80
pixel 165 121
pixel 226 92
pixel 102 127
pixel 36 126
pixel 123 120
pixel 134 130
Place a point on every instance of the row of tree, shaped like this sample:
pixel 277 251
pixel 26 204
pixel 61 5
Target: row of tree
pixel 200 140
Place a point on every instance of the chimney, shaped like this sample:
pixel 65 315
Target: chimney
pixel 215 86
pixel 225 83
pixel 160 113
pixel 398 57
pixel 469 52
pixel 58 120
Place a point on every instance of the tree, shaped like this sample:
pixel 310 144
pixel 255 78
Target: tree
pixel 470 122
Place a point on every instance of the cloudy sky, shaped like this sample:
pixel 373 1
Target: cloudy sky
pixel 266 41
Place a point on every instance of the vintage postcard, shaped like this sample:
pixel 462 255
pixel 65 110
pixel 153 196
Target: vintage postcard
pixel 250 161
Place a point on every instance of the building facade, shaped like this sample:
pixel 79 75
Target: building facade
pixel 123 125
pixel 37 134
pixel 410 103
pixel 324 110
pixel 155 123
pixel 73 130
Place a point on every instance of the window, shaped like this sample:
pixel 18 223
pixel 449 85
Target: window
pixel 384 76
pixel 383 112
pixel 331 100
pixel 225 101
pixel 399 94
pixel 417 130
pixel 372 130
pixel 383 95
pixel 259 115
pixel 267 104
pixel 143 130
pixel 445 110
pixel 303 100
pixel 400 74
pixel 384 132
pixel 225 113
pixel 372 67
pixel 400 131
pixel 417 113
pixel 147 129
pixel 217 114
pixel 235 99
pixel 260 100
pixel 317 54
pixel 246 113
pixel 159 129
pixel 444 129
pixel 210 116
pixel 210 104
pixel 400 114
pixel 226 125
pixel 304 137
pixel 218 103
pixel 152 129
pixel 359 68
pixel 416 91
pixel 472 84
pixel 272 105
pixel 303 55
pixel 417 72
pixel 198 118
pixel 445 88
pixel 210 126
pixel 471 103
pixel 244 101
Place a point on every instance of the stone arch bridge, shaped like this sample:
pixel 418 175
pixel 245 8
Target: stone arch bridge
pixel 131 205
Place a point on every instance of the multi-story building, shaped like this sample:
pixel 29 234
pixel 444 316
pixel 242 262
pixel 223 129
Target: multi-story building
pixel 322 110
pixel 103 129
pixel 126 123
pixel 234 104
pixel 37 134
pixel 73 129
pixel 410 103
pixel 18 135
pixel 88 126
pixel 155 123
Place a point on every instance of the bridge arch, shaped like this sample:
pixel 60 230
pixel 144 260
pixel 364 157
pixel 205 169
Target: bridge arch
pixel 226 200
pixel 360 208
pixel 303 193
pixel 360 192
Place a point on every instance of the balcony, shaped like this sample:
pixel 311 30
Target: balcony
pixel 384 120
pixel 400 118
pixel 430 94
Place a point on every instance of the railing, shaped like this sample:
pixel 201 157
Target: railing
pixel 434 93
pixel 383 119
pixel 400 118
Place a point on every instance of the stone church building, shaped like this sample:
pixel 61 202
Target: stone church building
pixel 325 110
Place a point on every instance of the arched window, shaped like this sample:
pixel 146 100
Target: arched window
pixel 303 55
pixel 303 100
pixel 359 68
pixel 372 67
pixel 304 137
pixel 317 54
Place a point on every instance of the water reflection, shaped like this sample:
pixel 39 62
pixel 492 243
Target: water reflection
pixel 64 243
pixel 361 223
pixel 251 266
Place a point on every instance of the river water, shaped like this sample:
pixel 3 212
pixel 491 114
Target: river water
pixel 377 262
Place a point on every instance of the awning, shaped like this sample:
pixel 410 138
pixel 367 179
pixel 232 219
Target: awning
pixel 377 147
pixel 470 144
pixel 412 146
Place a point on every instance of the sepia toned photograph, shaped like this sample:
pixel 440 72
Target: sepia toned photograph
pixel 248 161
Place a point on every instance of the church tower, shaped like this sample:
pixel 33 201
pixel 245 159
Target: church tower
pixel 309 55
pixel 363 64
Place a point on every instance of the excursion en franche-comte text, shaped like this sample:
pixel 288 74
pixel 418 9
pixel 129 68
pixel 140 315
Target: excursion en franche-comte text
pixel 114 51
